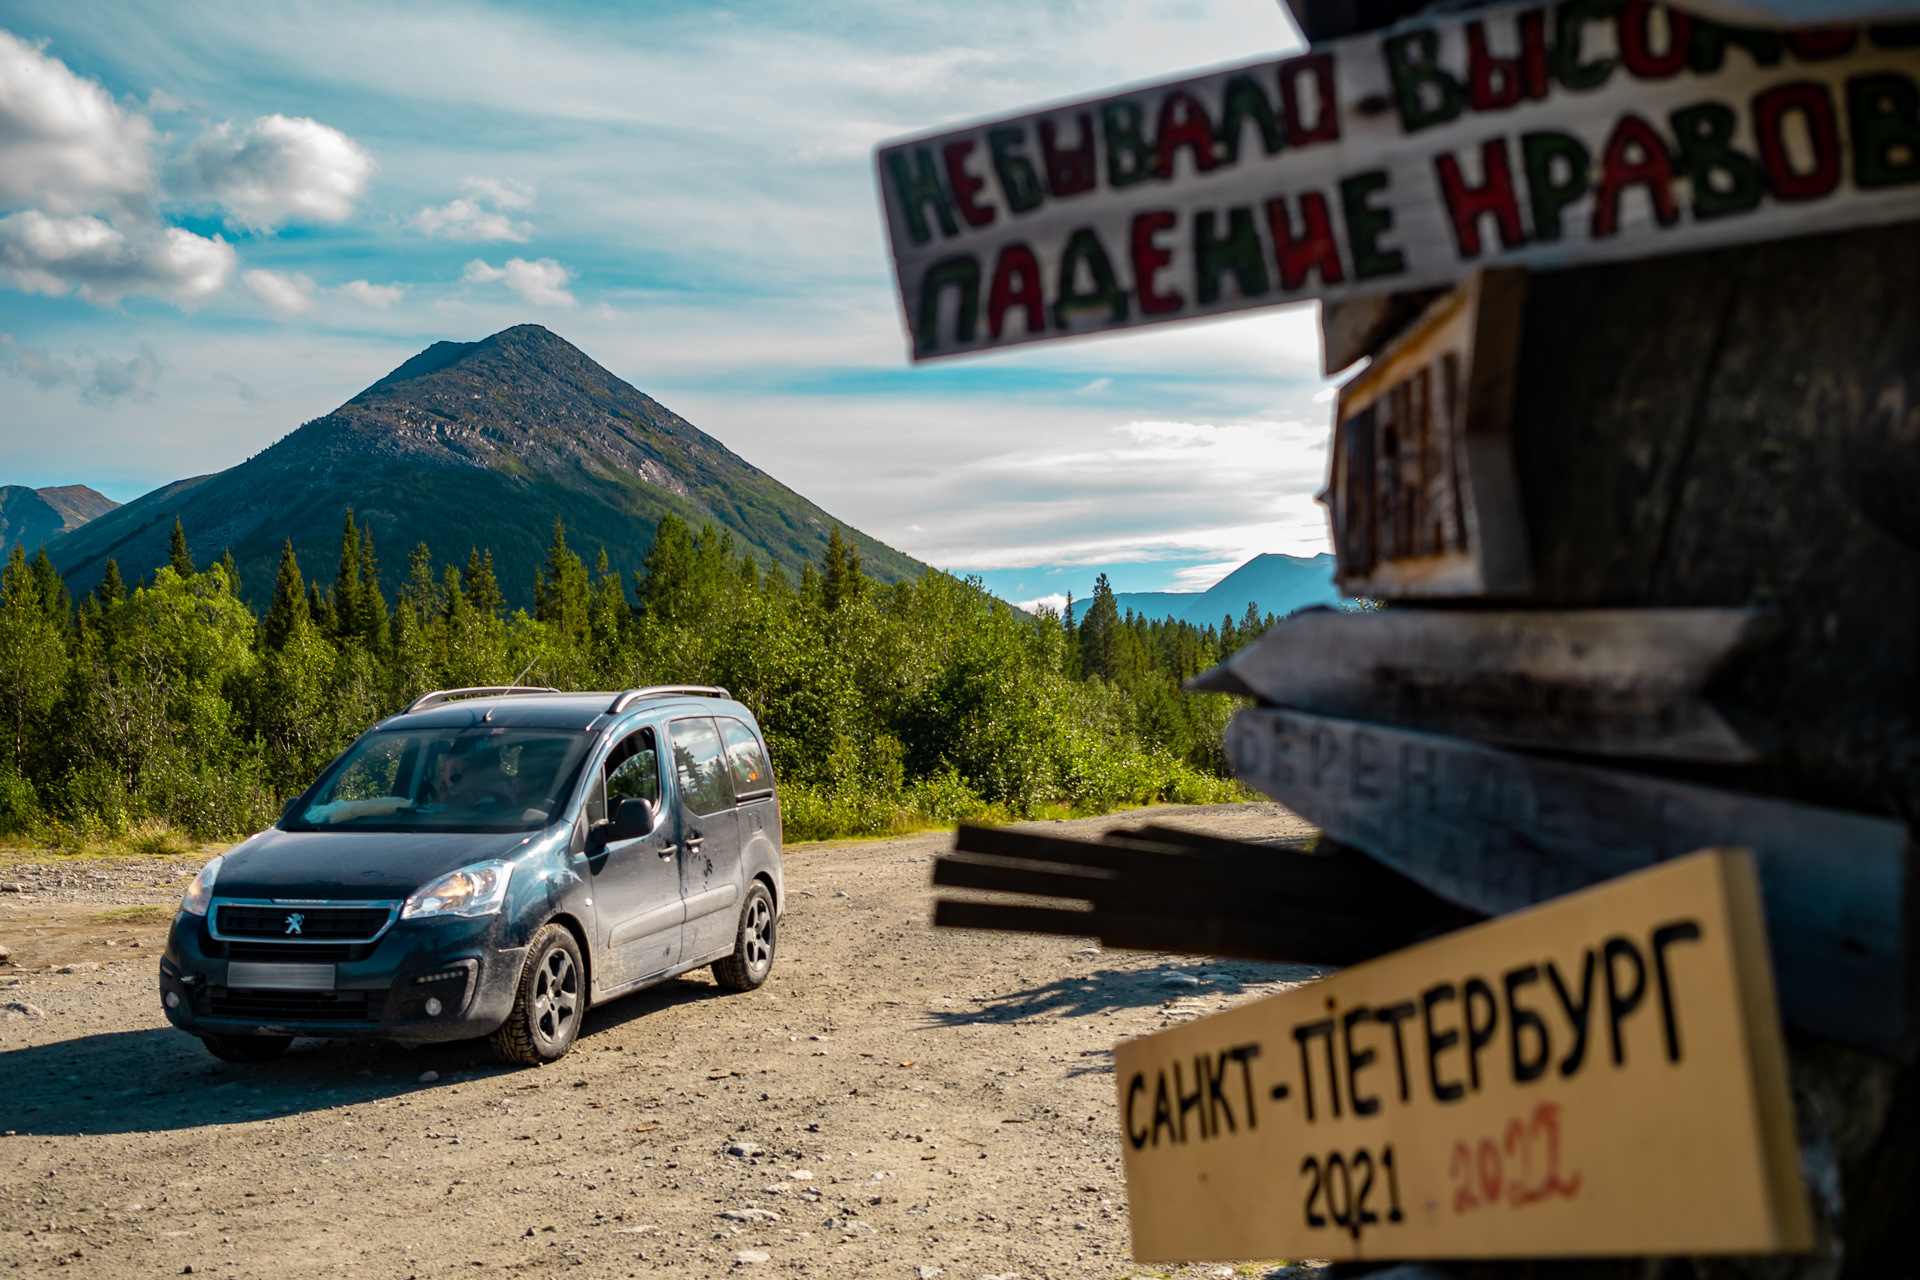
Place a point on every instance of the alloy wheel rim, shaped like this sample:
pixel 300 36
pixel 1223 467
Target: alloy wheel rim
pixel 759 939
pixel 556 998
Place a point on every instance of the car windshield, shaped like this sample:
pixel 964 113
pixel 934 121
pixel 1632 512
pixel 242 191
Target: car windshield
pixel 478 778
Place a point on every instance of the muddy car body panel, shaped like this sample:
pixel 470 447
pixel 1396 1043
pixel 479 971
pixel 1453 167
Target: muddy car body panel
pixel 322 926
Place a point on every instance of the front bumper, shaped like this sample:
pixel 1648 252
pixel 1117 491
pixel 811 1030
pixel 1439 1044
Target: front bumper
pixel 381 990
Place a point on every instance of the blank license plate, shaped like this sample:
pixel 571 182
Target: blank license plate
pixel 280 977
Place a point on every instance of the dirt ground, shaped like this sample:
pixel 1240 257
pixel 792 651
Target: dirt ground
pixel 896 1101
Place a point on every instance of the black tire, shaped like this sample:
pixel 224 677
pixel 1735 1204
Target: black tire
pixel 753 943
pixel 246 1048
pixel 548 1005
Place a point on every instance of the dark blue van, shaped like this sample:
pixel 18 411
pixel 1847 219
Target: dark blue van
pixel 490 862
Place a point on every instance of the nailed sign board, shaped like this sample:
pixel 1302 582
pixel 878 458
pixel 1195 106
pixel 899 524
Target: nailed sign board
pixel 1421 491
pixel 1601 1075
pixel 1543 136
pixel 1497 831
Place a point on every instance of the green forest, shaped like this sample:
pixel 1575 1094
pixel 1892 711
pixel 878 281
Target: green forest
pixel 166 709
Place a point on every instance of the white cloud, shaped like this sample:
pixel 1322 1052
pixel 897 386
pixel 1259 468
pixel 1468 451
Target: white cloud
pixel 287 293
pixel 542 282
pixel 108 379
pixel 276 170
pixel 470 218
pixel 1056 602
pixel 65 146
pixel 372 295
pixel 41 253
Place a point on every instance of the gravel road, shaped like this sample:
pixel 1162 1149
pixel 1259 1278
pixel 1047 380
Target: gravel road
pixel 895 1102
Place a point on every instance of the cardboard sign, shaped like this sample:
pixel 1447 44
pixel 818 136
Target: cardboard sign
pixel 1497 831
pixel 1421 490
pixel 1545 136
pixel 1599 1075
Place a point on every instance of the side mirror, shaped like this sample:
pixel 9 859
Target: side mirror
pixel 631 820
pixel 287 810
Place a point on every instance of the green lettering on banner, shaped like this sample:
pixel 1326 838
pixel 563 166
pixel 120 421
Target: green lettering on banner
pixel 1130 156
pixel 1884 114
pixel 1710 41
pixel 1559 172
pixel 1084 249
pixel 1705 132
pixel 1247 101
pixel 919 190
pixel 1019 183
pixel 1812 102
pixel 1425 93
pixel 1366 224
pixel 1238 251
pixel 1568 67
pixel 961 273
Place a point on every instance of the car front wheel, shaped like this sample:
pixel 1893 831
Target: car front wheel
pixel 752 958
pixel 548 1003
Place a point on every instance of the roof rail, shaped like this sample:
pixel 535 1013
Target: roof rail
pixel 631 696
pixel 439 696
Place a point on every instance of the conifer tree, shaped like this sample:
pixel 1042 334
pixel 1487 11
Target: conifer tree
pixel 843 582
pixel 372 612
pixel 483 589
pixel 232 570
pixel 347 619
pixel 421 595
pixel 664 583
pixel 111 590
pixel 561 593
pixel 320 609
pixel 53 589
pixel 1100 634
pixel 182 559
pixel 289 610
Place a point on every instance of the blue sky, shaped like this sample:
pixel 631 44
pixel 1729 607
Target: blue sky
pixel 220 221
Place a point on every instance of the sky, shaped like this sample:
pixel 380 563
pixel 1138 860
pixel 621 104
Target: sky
pixel 218 222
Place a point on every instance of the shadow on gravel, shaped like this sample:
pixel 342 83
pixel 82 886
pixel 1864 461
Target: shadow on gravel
pixel 1114 989
pixel 157 1079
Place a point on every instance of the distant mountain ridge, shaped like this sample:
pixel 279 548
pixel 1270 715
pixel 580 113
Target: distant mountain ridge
pixel 1273 583
pixel 476 444
pixel 30 517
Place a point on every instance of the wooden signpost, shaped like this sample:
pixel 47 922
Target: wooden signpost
pixel 1626 683
pixel 1601 1075
pixel 1421 487
pixel 1498 831
pixel 1394 161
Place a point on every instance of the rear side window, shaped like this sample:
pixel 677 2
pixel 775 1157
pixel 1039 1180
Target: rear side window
pixel 752 777
pixel 698 766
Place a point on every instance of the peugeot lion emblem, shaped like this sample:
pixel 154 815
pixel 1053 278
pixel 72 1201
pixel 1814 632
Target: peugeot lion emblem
pixel 294 921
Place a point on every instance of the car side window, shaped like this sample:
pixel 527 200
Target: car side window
pixel 631 770
pixel 752 776
pixel 699 767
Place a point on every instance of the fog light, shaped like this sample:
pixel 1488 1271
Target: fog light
pixel 434 1006
pixel 172 999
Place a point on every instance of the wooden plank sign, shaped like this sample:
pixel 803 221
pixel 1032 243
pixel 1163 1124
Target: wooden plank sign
pixel 1602 1075
pixel 1498 831
pixel 1611 682
pixel 1396 160
pixel 1421 487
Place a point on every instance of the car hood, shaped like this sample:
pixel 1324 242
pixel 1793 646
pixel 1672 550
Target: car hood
pixel 355 864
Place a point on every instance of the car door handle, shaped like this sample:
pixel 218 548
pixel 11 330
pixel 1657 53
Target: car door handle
pixel 693 844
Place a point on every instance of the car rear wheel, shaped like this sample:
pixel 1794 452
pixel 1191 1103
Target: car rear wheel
pixel 246 1048
pixel 548 1004
pixel 752 958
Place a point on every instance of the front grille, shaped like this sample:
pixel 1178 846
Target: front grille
pixel 297 1006
pixel 314 924
pixel 293 951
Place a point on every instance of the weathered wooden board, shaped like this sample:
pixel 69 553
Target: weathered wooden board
pixel 1602 1075
pixel 1420 485
pixel 1610 682
pixel 1497 831
pixel 1392 161
pixel 1161 889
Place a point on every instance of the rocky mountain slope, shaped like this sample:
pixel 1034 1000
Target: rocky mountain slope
pixel 478 444
pixel 29 517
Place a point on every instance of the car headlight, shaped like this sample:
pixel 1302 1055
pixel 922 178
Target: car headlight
pixel 200 890
pixel 477 890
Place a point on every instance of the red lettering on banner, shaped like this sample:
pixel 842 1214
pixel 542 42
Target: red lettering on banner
pixel 1148 258
pixel 965 185
pixel 1493 196
pixel 1183 123
pixel 1533 55
pixel 1636 40
pixel 1815 106
pixel 1814 44
pixel 1635 156
pixel 1315 247
pixel 1493 84
pixel 1325 126
pixel 1017 283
